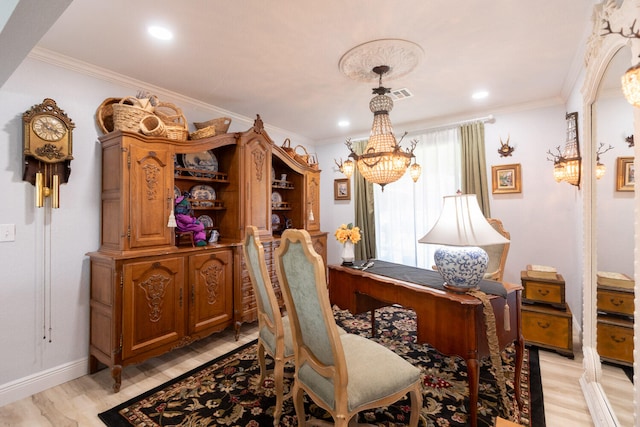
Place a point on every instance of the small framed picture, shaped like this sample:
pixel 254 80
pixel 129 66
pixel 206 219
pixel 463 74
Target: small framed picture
pixel 506 179
pixel 341 189
pixel 625 174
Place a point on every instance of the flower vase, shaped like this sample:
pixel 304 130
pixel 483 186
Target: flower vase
pixel 348 254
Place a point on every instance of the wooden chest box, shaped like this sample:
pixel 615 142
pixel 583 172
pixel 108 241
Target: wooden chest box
pixel 615 294
pixel 615 339
pixel 548 327
pixel 543 287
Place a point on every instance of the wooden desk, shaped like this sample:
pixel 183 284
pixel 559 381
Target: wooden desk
pixel 452 323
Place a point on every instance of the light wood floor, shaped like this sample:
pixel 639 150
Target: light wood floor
pixel 77 403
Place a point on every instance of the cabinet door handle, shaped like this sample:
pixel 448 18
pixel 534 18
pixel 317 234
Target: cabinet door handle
pixel 544 325
pixel 180 299
pixel 543 292
pixel 193 294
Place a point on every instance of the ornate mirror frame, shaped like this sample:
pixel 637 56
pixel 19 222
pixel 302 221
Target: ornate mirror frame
pixel 600 51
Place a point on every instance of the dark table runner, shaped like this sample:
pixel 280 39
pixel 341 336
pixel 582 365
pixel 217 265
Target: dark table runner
pixel 421 276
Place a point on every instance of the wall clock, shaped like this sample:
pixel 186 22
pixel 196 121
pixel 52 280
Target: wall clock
pixel 47 139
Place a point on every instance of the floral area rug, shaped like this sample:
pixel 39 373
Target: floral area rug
pixel 227 391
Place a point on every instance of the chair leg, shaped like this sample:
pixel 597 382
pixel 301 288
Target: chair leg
pixel 373 323
pixel 278 375
pixel 263 365
pixel 298 404
pixel 416 406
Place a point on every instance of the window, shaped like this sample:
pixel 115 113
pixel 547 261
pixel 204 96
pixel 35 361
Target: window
pixel 405 211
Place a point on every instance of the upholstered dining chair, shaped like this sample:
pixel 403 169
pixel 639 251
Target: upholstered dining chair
pixel 342 373
pixel 497 253
pixel 274 333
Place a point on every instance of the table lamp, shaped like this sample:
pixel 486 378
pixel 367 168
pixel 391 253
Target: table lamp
pixel 461 228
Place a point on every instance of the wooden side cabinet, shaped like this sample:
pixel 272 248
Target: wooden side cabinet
pixel 547 321
pixel 143 306
pixel 615 303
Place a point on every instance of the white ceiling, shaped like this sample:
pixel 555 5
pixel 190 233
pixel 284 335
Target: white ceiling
pixel 279 58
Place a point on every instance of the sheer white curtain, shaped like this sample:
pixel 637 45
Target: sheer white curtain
pixel 405 210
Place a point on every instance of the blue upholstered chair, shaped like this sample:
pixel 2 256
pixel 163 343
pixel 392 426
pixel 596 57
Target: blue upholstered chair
pixel 274 333
pixel 342 373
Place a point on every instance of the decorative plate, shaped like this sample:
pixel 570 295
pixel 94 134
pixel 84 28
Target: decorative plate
pixel 203 192
pixel 176 192
pixel 276 197
pixel 206 221
pixel 204 160
pixel 275 219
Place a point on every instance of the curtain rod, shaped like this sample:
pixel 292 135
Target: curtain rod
pixel 485 119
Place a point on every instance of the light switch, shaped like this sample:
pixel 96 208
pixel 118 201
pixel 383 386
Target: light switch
pixel 7 232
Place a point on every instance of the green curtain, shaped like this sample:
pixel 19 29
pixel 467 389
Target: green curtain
pixel 364 211
pixel 474 164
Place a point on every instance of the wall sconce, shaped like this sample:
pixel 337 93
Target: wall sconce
pixel 601 168
pixel 631 78
pixel 567 164
pixel 345 167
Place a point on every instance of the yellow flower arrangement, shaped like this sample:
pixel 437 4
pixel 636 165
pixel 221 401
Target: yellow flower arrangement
pixel 348 232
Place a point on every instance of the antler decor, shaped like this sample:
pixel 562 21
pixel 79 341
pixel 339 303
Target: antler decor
pixel 505 150
pixel 633 33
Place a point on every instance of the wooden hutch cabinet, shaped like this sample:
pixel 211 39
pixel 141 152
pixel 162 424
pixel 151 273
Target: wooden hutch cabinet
pixel 149 295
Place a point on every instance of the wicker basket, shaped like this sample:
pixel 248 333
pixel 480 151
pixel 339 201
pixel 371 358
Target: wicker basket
pixel 204 132
pixel 221 124
pixel 104 114
pixel 174 121
pixel 303 159
pixel 151 125
pixel 127 114
pixel 286 146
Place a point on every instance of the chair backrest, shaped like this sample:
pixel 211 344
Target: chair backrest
pixel 269 314
pixel 302 278
pixel 497 253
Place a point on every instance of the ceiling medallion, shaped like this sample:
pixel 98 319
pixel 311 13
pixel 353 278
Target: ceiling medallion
pixel 401 56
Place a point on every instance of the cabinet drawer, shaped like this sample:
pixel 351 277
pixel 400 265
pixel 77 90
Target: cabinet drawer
pixel 615 339
pixel 551 293
pixel 548 327
pixel 615 302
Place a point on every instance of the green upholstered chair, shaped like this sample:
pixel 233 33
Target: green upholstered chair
pixel 342 373
pixel 274 333
pixel 497 253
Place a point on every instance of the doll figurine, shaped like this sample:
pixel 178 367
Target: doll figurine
pixel 186 221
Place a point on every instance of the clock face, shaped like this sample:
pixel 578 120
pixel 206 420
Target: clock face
pixel 49 128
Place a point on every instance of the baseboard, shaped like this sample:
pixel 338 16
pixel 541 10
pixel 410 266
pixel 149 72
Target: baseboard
pixel 24 387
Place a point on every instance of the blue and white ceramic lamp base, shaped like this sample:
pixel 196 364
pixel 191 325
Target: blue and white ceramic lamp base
pixel 461 267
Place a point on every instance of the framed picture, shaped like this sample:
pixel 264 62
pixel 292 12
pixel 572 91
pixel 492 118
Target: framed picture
pixel 341 189
pixel 625 174
pixel 506 178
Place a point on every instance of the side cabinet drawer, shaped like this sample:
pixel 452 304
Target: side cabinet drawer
pixel 615 339
pixel 544 292
pixel 548 327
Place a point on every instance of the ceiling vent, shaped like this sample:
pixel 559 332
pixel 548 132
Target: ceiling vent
pixel 400 94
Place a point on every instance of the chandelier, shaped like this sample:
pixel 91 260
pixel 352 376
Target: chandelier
pixel 383 160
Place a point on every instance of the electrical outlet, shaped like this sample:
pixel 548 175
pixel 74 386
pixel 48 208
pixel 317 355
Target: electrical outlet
pixel 7 232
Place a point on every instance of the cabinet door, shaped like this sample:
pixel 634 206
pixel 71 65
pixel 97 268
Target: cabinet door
pixel 312 201
pixel 257 185
pixel 151 195
pixel 211 290
pixel 152 307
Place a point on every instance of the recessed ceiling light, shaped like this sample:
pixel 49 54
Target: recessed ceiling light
pixel 160 33
pixel 343 123
pixel 480 94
